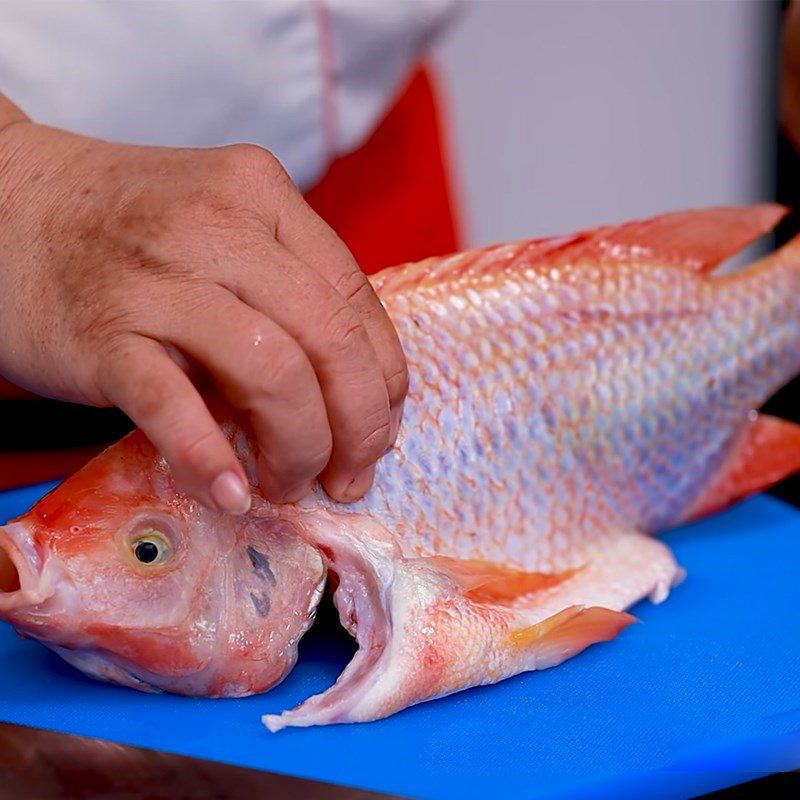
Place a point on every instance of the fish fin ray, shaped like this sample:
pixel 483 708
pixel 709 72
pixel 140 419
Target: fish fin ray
pixel 435 640
pixel 490 582
pixel 767 452
pixel 567 633
pixel 493 259
pixel 699 240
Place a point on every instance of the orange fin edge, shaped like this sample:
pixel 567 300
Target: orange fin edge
pixel 699 239
pixel 489 582
pixel 768 452
pixel 568 632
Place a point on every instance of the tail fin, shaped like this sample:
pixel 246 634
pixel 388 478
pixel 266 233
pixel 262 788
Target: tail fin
pixel 768 452
pixel 758 310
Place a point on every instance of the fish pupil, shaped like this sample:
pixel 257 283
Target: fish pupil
pixel 146 552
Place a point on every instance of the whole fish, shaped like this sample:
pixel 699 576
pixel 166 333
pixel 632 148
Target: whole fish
pixel 569 397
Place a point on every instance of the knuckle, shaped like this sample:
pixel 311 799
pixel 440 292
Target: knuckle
pixel 343 328
pixel 319 460
pixel 254 185
pixel 397 383
pixel 285 375
pixel 112 352
pixel 353 285
pixel 295 465
pixel 94 324
pixel 193 450
pixel 114 349
pixel 372 441
pixel 288 370
pixel 251 160
pixel 147 398
pixel 314 461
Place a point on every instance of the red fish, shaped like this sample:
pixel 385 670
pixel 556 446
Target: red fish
pixel 569 398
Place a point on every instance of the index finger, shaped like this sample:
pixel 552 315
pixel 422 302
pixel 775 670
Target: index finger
pixel 139 377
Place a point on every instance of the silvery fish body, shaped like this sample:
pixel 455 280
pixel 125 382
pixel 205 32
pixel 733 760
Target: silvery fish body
pixel 569 398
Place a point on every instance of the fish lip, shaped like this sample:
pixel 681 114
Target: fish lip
pixel 365 571
pixel 35 588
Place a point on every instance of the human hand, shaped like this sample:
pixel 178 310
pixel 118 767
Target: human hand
pixel 119 265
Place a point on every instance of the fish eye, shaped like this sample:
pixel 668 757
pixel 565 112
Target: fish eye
pixel 150 547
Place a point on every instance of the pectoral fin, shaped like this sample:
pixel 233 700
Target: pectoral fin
pixel 428 627
pixel 490 582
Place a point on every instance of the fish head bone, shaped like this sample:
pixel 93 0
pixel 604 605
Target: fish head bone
pixel 133 582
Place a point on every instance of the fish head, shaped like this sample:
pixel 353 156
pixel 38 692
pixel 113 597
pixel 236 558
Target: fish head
pixel 133 582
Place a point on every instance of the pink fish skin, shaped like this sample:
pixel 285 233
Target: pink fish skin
pixel 569 398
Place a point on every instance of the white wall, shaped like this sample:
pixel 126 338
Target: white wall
pixel 571 113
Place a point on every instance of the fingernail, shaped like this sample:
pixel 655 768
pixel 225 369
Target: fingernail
pixel 357 487
pixel 230 493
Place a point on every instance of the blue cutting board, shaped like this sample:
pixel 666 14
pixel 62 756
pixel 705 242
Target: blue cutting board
pixel 704 694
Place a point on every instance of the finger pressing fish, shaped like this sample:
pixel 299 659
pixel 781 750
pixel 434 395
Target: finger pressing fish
pixel 569 398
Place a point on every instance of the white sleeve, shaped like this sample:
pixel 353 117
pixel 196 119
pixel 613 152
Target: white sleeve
pixel 308 80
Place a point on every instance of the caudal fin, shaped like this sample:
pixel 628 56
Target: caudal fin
pixel 768 452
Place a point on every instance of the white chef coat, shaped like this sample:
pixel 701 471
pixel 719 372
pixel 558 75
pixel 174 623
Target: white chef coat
pixel 308 79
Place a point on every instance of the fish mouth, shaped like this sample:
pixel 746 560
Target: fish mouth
pixel 362 575
pixel 21 570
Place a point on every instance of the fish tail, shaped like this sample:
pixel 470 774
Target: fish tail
pixel 763 321
pixel 767 452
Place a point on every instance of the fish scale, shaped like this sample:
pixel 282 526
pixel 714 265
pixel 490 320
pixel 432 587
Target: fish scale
pixel 568 398
pixel 629 322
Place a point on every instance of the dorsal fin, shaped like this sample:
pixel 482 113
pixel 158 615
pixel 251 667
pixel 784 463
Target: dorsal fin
pixel 768 452
pixel 490 582
pixel 473 263
pixel 699 240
